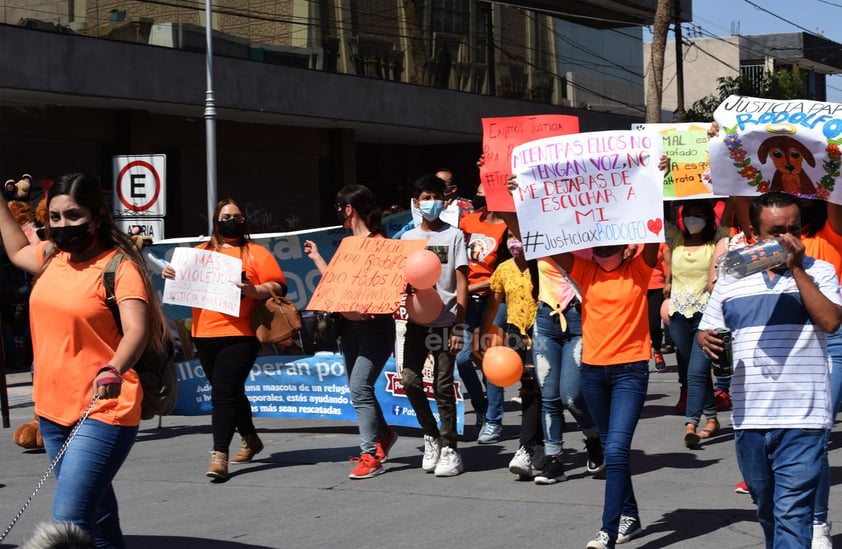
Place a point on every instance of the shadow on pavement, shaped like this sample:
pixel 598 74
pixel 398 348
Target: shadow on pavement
pixel 166 542
pixel 682 525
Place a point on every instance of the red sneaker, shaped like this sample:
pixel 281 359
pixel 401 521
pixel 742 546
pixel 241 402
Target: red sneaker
pixel 741 488
pixel 385 444
pixel 723 401
pixel 660 365
pixel 368 466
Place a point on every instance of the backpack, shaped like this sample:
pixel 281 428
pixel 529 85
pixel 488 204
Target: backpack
pixel 156 369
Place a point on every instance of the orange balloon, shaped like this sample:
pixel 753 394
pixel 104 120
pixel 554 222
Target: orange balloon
pixel 423 306
pixel 502 366
pixel 665 312
pixel 423 269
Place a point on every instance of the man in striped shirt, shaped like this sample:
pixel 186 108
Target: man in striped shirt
pixel 779 320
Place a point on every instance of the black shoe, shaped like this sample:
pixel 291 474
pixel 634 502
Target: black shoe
pixel 667 349
pixel 552 472
pixel 596 461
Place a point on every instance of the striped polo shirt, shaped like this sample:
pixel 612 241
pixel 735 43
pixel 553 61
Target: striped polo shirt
pixel 781 367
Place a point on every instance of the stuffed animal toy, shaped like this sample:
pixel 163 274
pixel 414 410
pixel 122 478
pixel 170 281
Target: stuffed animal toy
pixel 28 436
pixel 19 190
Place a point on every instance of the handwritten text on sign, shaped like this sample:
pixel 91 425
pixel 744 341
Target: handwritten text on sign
pixel 686 145
pixel 590 189
pixel 365 274
pixel 499 138
pixel 204 279
pixel 777 145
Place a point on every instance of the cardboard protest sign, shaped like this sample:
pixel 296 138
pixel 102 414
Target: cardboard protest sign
pixel 589 189
pixel 204 279
pixel 777 145
pixel 365 274
pixel 500 136
pixel 686 145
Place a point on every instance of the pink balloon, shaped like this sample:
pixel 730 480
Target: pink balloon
pixel 665 312
pixel 423 306
pixel 423 269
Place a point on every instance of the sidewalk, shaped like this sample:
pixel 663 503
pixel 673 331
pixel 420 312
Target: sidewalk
pixel 298 494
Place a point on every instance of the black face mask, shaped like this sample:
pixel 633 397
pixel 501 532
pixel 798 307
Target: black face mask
pixel 232 228
pixel 478 202
pixel 72 239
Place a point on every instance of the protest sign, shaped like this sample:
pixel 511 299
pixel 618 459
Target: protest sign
pixel 777 145
pixel 365 274
pixel 205 280
pixel 589 189
pixel 499 138
pixel 686 145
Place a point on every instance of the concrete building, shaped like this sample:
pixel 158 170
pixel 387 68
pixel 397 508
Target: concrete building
pixel 707 59
pixel 310 94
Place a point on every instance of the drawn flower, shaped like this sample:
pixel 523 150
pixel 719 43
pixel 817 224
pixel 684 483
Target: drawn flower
pixel 733 140
pixel 822 193
pixel 833 151
pixel 738 155
pixel 749 172
pixel 826 182
pixel 763 187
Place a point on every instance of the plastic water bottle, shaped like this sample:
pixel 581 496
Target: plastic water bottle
pixel 766 254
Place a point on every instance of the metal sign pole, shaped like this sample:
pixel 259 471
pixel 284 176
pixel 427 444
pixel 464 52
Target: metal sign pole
pixel 210 117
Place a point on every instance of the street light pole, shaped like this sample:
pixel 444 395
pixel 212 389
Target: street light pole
pixel 210 117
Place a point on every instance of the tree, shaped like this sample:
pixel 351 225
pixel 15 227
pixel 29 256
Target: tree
pixel 655 90
pixel 780 84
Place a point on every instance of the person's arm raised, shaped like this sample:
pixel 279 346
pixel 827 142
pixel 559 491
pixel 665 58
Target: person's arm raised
pixel 22 254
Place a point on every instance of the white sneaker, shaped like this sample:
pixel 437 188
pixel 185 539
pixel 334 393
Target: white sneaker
pixel 821 536
pixel 450 463
pixel 432 450
pixel 521 463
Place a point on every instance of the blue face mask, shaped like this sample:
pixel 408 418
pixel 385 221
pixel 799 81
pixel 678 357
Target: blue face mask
pixel 431 209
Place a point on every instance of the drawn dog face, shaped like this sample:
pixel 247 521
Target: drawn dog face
pixel 787 154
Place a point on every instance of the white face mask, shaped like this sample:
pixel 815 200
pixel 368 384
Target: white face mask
pixel 694 225
pixel 609 263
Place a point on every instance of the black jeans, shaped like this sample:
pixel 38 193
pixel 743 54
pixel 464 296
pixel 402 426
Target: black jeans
pixel 227 362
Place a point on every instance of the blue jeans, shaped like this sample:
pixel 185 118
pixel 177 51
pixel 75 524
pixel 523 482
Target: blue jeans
pixel 615 396
pixel 683 332
pixel 781 468
pixel 84 495
pixel 698 374
pixel 496 396
pixel 834 349
pixel 558 357
pixel 366 345
pixel 465 358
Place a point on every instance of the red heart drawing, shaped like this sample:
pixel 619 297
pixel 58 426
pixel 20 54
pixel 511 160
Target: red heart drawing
pixel 655 225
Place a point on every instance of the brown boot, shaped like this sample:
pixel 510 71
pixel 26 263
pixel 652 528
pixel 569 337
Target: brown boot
pixel 218 469
pixel 250 446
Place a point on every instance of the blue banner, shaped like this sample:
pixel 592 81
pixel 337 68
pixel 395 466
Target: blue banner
pixel 285 382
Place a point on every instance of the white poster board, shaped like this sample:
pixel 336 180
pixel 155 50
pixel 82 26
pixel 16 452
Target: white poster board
pixel 589 189
pixel 204 279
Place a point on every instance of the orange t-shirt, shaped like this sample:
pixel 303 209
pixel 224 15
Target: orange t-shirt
pixel 657 280
pixel 74 335
pixel 483 240
pixel 827 246
pixel 260 267
pixel 615 324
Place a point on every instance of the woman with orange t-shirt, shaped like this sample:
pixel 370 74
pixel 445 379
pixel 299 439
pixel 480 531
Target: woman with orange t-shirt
pixel 226 344
pixel 367 340
pixel 82 363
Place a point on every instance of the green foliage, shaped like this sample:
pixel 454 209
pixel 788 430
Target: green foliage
pixel 780 84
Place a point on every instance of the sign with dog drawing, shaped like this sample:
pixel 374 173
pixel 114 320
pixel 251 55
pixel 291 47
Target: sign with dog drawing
pixel 500 136
pixel 777 145
pixel 686 146
pixel 588 189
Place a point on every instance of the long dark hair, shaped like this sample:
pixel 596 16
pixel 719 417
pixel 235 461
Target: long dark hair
pixel 84 189
pixel 362 200
pixel 216 239
pixel 709 232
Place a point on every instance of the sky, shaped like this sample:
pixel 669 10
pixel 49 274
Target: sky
pixel 715 17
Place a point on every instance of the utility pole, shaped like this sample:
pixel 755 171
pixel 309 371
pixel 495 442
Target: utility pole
pixel 680 115
pixel 210 116
pixel 489 38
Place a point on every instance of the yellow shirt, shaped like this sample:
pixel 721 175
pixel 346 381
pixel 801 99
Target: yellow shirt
pixel 520 306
